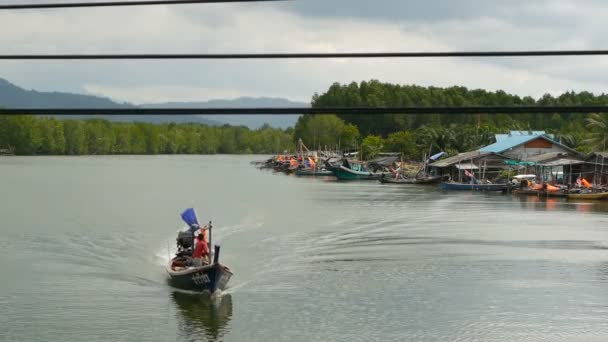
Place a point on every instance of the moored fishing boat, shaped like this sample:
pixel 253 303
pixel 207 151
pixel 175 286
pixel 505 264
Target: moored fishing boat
pixel 184 273
pixel 473 186
pixel 539 193
pixel 314 172
pixel 428 180
pixel 345 173
pixel 390 179
pixel 589 196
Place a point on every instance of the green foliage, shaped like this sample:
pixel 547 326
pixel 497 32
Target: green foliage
pixel 404 142
pixel 508 174
pixel 29 135
pixel 324 131
pixel 371 146
pixel 597 125
pixel 74 135
pixel 350 135
pixel 463 132
pixel 375 93
pixel 22 133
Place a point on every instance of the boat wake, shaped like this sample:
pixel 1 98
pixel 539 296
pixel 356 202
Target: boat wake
pixel 227 231
pixel 232 289
pixel 164 253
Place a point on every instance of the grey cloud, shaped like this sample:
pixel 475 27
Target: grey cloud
pixel 539 13
pixel 394 10
pixel 338 25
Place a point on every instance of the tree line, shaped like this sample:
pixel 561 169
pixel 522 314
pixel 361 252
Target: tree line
pixel 35 135
pixel 415 134
pixel 411 134
pixel 376 94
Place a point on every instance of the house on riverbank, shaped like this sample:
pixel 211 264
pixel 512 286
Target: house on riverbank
pixel 483 165
pixel 520 151
pixel 524 145
pixel 595 168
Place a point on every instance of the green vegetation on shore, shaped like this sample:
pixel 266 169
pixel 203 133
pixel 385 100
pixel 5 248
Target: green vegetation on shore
pixel 410 134
pixel 30 135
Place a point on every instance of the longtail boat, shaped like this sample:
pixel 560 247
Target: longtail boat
pixel 314 172
pixel 392 180
pixel 473 186
pixel 539 193
pixel 344 173
pixel 589 196
pixel 184 273
pixel 389 179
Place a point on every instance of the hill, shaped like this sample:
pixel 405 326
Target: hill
pixel 16 97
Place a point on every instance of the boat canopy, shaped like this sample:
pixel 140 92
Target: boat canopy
pixel 528 177
pixel 437 156
pixel 383 162
pixel 466 166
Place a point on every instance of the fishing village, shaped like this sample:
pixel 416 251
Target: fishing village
pixel 524 163
pixel 284 170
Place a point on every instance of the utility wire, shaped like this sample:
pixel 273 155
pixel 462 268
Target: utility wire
pixel 304 55
pixel 308 110
pixel 120 3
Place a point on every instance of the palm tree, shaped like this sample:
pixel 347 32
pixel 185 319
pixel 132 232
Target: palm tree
pixel 598 131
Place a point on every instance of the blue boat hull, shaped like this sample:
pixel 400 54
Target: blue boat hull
pixel 473 187
pixel 210 278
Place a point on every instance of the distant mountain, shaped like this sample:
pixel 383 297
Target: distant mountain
pixel 17 97
pixel 251 121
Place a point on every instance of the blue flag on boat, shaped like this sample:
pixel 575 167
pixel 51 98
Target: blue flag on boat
pixel 189 216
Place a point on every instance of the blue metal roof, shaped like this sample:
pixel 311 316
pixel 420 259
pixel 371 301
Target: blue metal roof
pixel 527 133
pixel 508 142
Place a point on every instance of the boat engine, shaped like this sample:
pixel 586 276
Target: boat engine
pixel 185 241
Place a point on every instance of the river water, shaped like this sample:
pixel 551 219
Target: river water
pixel 83 241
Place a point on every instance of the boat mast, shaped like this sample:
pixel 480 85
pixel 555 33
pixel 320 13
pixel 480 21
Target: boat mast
pixel 209 243
pixel 595 170
pixel 426 160
pixel 603 161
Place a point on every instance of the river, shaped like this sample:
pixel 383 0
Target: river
pixel 83 242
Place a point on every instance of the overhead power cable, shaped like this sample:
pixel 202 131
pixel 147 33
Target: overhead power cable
pixel 308 110
pixel 313 55
pixel 119 3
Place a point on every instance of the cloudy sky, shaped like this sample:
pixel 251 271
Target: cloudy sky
pixel 306 26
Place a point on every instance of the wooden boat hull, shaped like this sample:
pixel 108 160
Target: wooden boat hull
pixel 539 193
pixel 343 173
pixel 428 180
pixel 589 196
pixel 391 180
pixel 208 278
pixel 473 187
pixel 318 173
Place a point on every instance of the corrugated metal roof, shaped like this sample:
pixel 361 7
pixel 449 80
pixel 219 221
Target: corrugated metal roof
pixel 512 141
pixel 527 133
pixel 460 158
pixel 508 142
pixel 501 137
